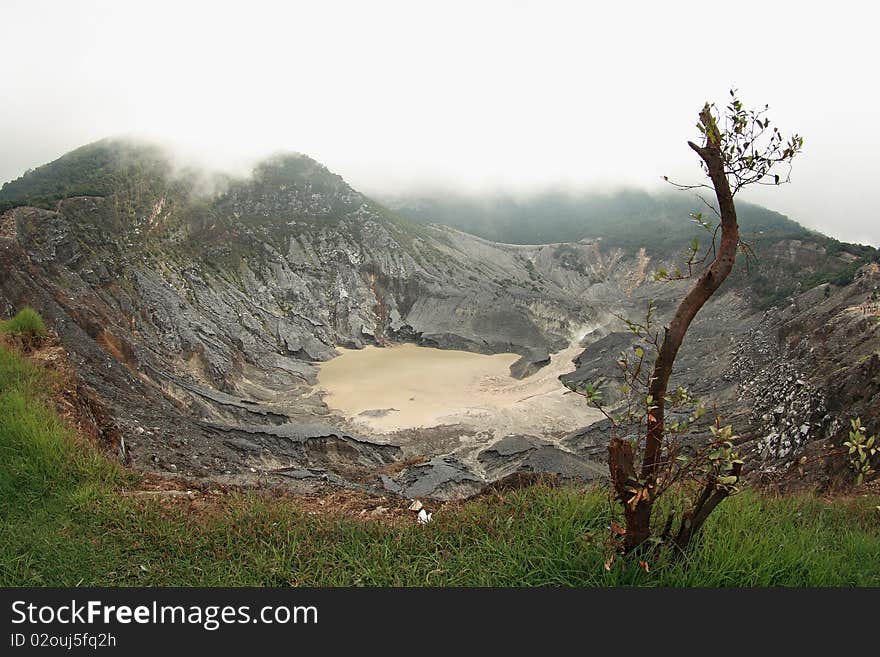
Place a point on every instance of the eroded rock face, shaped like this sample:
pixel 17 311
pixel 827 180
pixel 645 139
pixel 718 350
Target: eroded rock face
pixel 199 321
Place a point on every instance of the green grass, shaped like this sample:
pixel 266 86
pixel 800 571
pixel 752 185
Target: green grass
pixel 63 522
pixel 26 322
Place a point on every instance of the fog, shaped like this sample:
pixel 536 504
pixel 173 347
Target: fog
pixel 501 96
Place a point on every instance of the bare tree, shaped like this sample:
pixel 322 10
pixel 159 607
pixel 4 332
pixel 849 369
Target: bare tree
pixel 738 149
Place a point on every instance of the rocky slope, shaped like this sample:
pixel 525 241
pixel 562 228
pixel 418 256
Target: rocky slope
pixel 198 317
pixel 789 379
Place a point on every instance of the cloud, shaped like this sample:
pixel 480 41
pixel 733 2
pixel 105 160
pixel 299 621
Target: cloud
pixel 396 95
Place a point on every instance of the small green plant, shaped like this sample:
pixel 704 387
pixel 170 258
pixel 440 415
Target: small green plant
pixel 861 450
pixel 27 322
pixel 530 267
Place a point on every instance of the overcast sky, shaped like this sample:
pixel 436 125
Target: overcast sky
pixel 466 95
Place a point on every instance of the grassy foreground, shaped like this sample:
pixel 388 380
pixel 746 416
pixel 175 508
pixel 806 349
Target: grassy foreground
pixel 63 522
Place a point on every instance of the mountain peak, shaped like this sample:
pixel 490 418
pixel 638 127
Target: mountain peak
pixel 96 169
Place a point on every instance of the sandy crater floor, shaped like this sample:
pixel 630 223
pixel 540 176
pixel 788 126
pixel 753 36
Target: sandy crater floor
pixel 382 390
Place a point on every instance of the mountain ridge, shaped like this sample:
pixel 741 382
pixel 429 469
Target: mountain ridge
pixel 199 317
pixel 627 219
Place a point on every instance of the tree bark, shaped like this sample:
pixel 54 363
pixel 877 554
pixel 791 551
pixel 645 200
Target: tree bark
pixel 621 461
pixel 693 519
pixel 639 516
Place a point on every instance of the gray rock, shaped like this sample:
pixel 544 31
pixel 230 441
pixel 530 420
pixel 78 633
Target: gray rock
pixel 440 478
pixel 529 363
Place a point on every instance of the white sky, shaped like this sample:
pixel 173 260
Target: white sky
pixel 470 95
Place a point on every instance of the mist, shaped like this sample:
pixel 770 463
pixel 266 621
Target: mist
pixel 400 97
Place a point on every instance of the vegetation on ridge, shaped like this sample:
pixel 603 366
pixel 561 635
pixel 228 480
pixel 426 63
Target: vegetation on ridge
pixel 102 168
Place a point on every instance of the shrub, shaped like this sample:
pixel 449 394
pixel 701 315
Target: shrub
pixel 861 450
pixel 27 322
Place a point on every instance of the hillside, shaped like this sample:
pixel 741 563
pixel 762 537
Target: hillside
pixel 103 169
pixel 197 308
pixel 631 220
pixel 555 216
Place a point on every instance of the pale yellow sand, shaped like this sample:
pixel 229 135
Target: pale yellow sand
pixel 430 387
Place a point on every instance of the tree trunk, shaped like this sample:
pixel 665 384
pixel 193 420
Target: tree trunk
pixel 621 460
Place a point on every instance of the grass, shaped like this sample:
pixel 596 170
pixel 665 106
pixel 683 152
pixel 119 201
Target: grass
pixel 64 523
pixel 27 322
